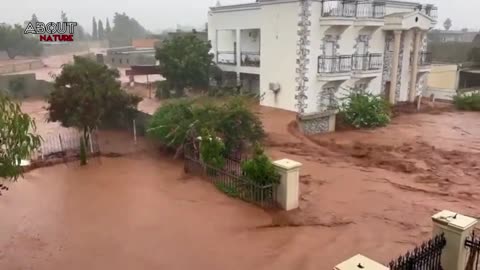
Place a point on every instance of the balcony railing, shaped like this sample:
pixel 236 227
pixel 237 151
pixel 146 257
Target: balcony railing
pixel 227 57
pixel 366 62
pixel 370 10
pixel 425 59
pixel 353 8
pixel 334 64
pixel 250 59
pixel 338 8
pixel 429 10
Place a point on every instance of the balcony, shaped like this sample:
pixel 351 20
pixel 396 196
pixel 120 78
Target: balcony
pixel 334 68
pixel 425 62
pixel 338 12
pixel 346 12
pixel 370 14
pixel 227 58
pixel 367 65
pixel 430 10
pixel 250 59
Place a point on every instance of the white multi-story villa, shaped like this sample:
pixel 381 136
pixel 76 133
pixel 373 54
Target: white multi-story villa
pixel 301 54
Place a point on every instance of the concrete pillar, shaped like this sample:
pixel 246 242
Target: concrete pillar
pixel 288 189
pixel 237 53
pixel 396 55
pixel 360 262
pixel 414 72
pixel 456 228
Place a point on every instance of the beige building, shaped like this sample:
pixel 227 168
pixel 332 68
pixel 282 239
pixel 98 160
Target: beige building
pixel 444 76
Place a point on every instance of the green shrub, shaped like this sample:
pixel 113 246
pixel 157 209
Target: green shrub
pixel 469 101
pixel 259 169
pixel 174 123
pixel 212 150
pixel 364 110
pixel 227 189
pixel 163 90
pixel 171 122
pixel 17 87
pixel 239 125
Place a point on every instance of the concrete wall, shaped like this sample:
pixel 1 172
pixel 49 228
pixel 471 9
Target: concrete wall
pixel 443 77
pixel 18 66
pixel 32 86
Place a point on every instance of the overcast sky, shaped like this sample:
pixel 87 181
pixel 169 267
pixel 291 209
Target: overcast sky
pixel 161 14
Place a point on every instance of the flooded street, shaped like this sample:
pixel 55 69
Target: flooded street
pixel 370 192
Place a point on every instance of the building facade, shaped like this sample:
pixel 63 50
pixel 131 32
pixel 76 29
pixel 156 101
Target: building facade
pixel 305 54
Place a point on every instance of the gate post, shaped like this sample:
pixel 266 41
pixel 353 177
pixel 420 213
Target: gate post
pixel 288 189
pixel 456 228
pixel 360 262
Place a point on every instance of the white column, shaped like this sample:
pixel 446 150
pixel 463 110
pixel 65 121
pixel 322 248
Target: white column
pixel 237 31
pixel 288 189
pixel 456 228
pixel 396 55
pixel 360 262
pixel 414 72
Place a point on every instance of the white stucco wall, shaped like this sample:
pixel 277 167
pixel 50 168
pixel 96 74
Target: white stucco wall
pixel 278 54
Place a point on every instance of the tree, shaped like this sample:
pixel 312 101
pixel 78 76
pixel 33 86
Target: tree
pixel 447 24
pixel 87 93
pixel 94 29
pixel 107 28
pixel 101 32
pixel 185 61
pixel 63 16
pixel 17 137
pixel 15 42
pixel 124 30
pixel 34 19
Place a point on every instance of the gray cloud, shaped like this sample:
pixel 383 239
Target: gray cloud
pixel 161 14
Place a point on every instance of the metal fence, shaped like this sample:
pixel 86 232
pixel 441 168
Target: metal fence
pixel 250 59
pixel 473 245
pixel 66 143
pixel 425 257
pixel 226 57
pixel 338 8
pixel 230 179
pixel 425 59
pixel 334 64
pixel 373 61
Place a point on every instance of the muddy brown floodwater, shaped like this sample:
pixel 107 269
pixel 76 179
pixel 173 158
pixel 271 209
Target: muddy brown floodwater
pixel 369 192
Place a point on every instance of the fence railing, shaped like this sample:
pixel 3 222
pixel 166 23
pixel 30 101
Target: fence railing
pixel 250 59
pixel 338 8
pixel 370 9
pixel 473 245
pixel 425 59
pixel 364 62
pixel 427 256
pixel 334 64
pixel 353 8
pixel 227 57
pixel 64 144
pixel 230 178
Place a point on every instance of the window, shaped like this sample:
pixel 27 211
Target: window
pixel 113 60
pixel 128 62
pixel 120 60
